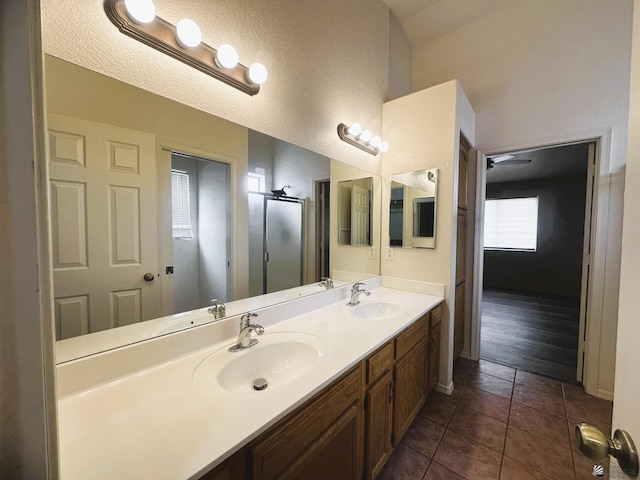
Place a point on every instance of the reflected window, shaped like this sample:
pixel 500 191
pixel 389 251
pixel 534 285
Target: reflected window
pixel 511 224
pixel 180 207
pixel 257 182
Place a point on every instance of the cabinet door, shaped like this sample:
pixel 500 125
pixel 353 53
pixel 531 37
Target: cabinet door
pixel 323 439
pixel 334 455
pixel 379 417
pixel 434 356
pixel 410 388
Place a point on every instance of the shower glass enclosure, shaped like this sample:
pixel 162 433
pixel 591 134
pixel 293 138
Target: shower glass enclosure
pixel 275 243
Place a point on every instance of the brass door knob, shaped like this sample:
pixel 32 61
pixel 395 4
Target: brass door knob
pixel 148 277
pixel 596 446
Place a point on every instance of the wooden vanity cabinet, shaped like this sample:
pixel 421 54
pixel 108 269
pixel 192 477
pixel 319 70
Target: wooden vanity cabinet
pixel 378 409
pixel 352 424
pixel 434 346
pixel 410 375
pixel 233 468
pixel 322 439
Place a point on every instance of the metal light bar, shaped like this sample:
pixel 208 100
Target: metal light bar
pixel 161 35
pixel 343 133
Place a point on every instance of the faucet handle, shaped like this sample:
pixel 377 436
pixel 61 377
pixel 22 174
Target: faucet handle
pixel 217 309
pixel 327 282
pixel 246 319
pixel 356 286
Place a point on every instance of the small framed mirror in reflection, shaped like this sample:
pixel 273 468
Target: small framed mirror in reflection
pixel 412 209
pixel 354 211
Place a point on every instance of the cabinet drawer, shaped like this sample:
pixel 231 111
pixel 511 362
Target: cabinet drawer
pixel 379 362
pixel 436 316
pixel 412 335
pixel 286 442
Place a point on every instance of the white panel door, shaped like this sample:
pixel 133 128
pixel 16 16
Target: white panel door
pixel 103 223
pixel 359 216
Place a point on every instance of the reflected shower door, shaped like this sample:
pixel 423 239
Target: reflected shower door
pixel 283 244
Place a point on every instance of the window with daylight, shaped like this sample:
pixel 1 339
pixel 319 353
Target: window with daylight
pixel 180 206
pixel 256 182
pixel 511 224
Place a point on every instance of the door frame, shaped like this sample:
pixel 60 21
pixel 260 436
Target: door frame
pixel 164 148
pixel 601 197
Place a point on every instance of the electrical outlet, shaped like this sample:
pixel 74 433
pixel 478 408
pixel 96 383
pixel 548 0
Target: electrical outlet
pixel 389 254
pixel 372 253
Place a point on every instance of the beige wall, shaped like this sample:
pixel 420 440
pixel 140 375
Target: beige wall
pixel 424 130
pixel 545 72
pixel 327 63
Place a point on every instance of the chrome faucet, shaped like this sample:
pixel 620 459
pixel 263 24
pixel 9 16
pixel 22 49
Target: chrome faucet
pixel 355 293
pixel 326 283
pixel 244 337
pixel 217 309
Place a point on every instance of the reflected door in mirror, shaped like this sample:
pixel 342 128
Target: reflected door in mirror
pixel 354 211
pixel 103 223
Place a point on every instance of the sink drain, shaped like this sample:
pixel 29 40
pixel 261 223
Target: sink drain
pixel 260 384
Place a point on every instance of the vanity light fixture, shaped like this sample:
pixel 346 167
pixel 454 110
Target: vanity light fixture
pixel 188 33
pixel 140 11
pixel 258 73
pixel 138 19
pixel 226 56
pixel 363 139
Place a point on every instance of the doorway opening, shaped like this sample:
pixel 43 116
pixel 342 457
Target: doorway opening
pixel 323 194
pixel 201 231
pixel 537 228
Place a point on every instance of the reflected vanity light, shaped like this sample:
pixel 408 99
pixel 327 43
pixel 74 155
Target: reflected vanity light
pixel 137 19
pixel 363 139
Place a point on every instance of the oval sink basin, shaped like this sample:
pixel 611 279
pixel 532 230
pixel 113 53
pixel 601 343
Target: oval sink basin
pixel 279 358
pixel 377 309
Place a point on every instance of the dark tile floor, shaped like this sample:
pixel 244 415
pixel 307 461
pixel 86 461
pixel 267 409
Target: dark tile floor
pixel 492 425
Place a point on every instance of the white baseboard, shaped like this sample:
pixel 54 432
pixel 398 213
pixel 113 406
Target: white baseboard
pixel 446 389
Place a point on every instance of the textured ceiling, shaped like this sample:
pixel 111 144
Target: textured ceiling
pixel 425 20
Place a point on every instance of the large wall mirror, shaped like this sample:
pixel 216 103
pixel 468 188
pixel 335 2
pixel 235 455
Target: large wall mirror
pixel 157 208
pixel 412 209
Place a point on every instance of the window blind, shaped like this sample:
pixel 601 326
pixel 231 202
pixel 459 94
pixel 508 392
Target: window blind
pixel 180 206
pixel 511 224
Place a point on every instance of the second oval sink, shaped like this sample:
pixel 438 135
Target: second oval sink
pixel 377 309
pixel 279 358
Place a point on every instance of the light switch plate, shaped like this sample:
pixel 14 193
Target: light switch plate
pixel 389 253
pixel 372 252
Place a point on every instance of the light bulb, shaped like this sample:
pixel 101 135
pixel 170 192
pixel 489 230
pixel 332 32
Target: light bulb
pixel 226 56
pixel 355 129
pixel 140 11
pixel 258 73
pixel 188 33
pixel 375 141
pixel 366 136
pixel 384 147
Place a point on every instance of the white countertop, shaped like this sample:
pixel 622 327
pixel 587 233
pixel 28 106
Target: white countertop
pixel 157 423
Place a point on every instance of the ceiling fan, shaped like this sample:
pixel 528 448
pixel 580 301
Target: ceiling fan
pixel 506 160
